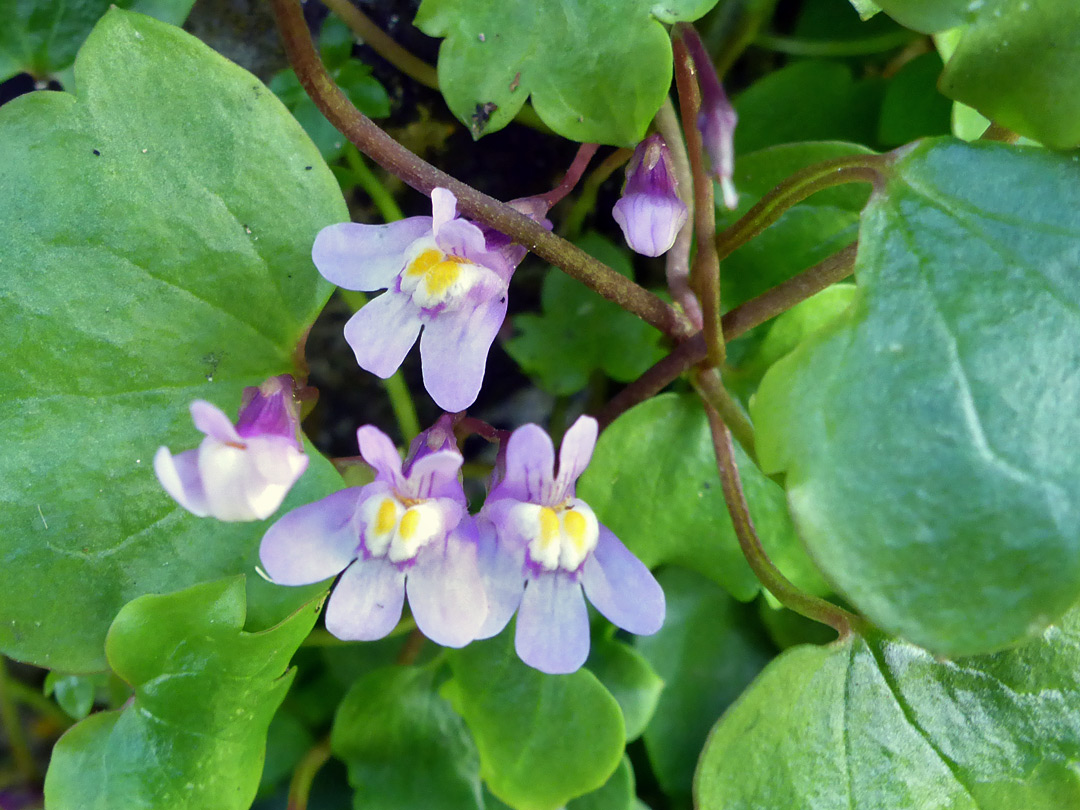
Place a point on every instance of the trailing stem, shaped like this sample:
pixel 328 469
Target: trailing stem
pixel 424 177
pixel 764 569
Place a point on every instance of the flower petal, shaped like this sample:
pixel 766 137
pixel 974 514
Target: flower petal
pixel 459 237
pixel 380 453
pixel 443 208
pixel 366 257
pixel 234 489
pixel 382 332
pixel 366 603
pixel 501 568
pixel 179 475
pixel 436 476
pixel 620 586
pixel 313 542
pixel 454 350
pixel 277 459
pixel 530 463
pixel 553 625
pixel 577 448
pixel 212 421
pixel 446 593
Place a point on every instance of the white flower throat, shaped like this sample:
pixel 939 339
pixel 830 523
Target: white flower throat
pixel 558 537
pixel 434 278
pixel 398 530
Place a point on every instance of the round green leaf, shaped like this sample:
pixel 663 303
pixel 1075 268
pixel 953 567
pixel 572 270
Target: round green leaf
pixel 707 652
pixel 596 72
pixel 912 107
pixel 929 16
pixel 930 433
pixel 404 745
pixel 629 485
pixel 176 267
pixel 894 727
pixel 543 739
pixel 616 794
pixel 631 680
pixel 205 692
pixel 1017 64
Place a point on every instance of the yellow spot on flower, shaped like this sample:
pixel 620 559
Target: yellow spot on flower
pixel 386 517
pixel 549 526
pixel 424 262
pixel 436 270
pixel 410 521
pixel 576 529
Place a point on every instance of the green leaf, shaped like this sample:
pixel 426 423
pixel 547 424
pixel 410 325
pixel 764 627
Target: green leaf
pixel 896 727
pixel 287 740
pixel 929 433
pixel 707 652
pixel 804 235
pixel 809 100
pixel 1016 64
pixel 596 72
pixel 630 679
pixel 75 693
pixel 42 36
pixel 205 692
pixel 667 439
pixel 617 792
pixel 580 333
pixel 404 745
pixel 178 267
pixel 543 739
pixel 930 16
pixel 912 107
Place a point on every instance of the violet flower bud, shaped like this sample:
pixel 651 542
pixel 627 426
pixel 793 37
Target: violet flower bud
pixel 243 472
pixel 650 212
pixel 716 119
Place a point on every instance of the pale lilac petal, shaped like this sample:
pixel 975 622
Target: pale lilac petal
pixel 501 566
pixel 650 223
pixel 367 600
pixel 212 421
pixel 460 237
pixel 381 454
pixel 366 257
pixel 530 462
pixel 382 332
pixel 443 209
pixel 454 350
pixel 179 475
pixel 277 459
pixel 553 625
pixel 234 489
pixel 313 542
pixel 620 586
pixel 446 594
pixel 577 448
pixel 436 476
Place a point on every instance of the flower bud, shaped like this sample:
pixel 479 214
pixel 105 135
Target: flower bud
pixel 650 212
pixel 716 119
pixel 243 472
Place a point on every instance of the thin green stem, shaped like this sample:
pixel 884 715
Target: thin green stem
pixel 796 46
pixel 677 260
pixel 401 402
pixel 764 568
pixel 13 729
pixel 586 199
pixel 33 699
pixel 304 775
pixel 796 188
pixel 424 177
pixel 365 28
pixel 410 650
pixel 733 27
pixel 372 186
pixel 705 270
pixel 711 389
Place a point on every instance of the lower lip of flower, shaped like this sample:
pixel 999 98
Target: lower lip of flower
pixel 558 537
pixel 399 528
pixel 435 279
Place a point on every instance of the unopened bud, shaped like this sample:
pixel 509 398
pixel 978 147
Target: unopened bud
pixel 650 212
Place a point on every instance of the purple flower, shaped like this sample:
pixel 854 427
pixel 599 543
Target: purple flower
pixel 243 472
pixel 649 211
pixel 440 275
pixel 541 546
pixel 406 532
pixel 716 118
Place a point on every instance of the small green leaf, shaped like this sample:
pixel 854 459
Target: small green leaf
pixel 631 680
pixel 543 739
pixel 596 72
pixel 42 36
pixel 205 692
pixel 667 439
pixel 707 652
pixel 912 107
pixel 929 432
pixel 404 745
pixel 580 333
pixel 617 792
pixel 896 727
pixel 177 267
pixel 75 693
pixel 1017 65
pixel 804 235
